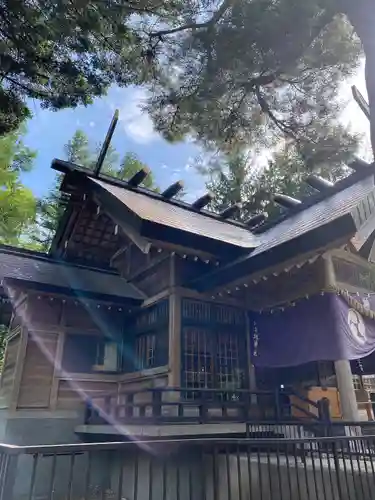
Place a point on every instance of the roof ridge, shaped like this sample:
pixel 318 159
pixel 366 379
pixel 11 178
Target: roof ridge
pixel 319 196
pixel 307 202
pixel 62 166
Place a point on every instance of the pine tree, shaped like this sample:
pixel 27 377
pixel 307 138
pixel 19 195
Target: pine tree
pixel 78 150
pixel 227 72
pixel 17 203
pixel 64 53
pixel 249 73
pixel 235 179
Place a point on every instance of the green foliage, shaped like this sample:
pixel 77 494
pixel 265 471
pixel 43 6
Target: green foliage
pixel 232 72
pixel 78 150
pixel 235 179
pixel 3 334
pixel 260 71
pixel 17 203
pixel 61 53
pixel 66 53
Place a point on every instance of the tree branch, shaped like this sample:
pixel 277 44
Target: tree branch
pixel 214 19
pixel 26 88
pixel 264 106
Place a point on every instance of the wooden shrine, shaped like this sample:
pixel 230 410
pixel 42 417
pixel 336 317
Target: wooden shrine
pixel 143 307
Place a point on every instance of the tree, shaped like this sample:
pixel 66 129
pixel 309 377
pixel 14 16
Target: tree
pixel 78 150
pixel 236 180
pixel 228 72
pixel 17 203
pixel 64 53
pixel 239 72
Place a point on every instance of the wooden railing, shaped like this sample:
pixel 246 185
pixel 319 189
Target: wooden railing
pixel 178 405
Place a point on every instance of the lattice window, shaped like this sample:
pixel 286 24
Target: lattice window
pixel 369 382
pixel 228 362
pixel 146 351
pixel 211 360
pixel 205 312
pixel 357 383
pixel 195 310
pixel 198 358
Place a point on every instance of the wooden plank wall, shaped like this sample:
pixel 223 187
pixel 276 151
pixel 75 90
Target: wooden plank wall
pixel 7 377
pixel 140 385
pixel 38 369
pixel 72 393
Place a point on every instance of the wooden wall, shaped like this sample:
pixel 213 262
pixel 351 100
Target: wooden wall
pixel 34 375
pixel 38 370
pixel 7 377
pixel 74 390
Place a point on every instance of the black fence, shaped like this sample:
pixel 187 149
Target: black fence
pixel 192 469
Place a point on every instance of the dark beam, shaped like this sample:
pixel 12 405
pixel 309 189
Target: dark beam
pixel 137 179
pixel 106 144
pixel 172 190
pixel 256 220
pixel 318 183
pixel 361 101
pixel 230 211
pixel 286 201
pixel 358 164
pixel 203 201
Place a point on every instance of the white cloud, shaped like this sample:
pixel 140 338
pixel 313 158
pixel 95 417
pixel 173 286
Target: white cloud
pixel 92 124
pixel 164 167
pixel 137 124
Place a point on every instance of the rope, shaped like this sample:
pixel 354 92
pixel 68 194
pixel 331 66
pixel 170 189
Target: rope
pixel 352 302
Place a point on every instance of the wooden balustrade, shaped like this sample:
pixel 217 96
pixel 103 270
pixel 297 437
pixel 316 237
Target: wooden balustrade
pixel 177 405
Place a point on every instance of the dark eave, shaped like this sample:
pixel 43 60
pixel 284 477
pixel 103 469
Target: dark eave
pixel 319 225
pixel 37 271
pixel 245 266
pixel 153 217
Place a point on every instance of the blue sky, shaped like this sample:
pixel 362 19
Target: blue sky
pixel 49 131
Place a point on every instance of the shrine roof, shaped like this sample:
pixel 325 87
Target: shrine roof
pixel 307 228
pixel 320 219
pixel 181 217
pixel 38 271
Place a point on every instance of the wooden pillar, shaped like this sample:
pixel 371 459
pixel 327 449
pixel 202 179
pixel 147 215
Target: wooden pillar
pixel 57 369
pixel 348 400
pixel 174 344
pixel 21 354
pixel 344 376
pixel 329 270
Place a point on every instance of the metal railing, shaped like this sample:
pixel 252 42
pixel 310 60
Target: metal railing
pixel 180 405
pixel 194 469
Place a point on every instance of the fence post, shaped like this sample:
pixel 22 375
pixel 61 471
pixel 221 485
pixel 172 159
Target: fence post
pixel 324 414
pixel 277 404
pixel 8 470
pixel 129 405
pixel 88 412
pixel 203 407
pixel 156 403
pixel 325 417
pixel 337 468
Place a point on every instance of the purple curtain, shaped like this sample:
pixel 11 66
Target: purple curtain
pixel 318 328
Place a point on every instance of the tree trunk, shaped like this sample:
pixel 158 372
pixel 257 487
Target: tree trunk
pixel 361 14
